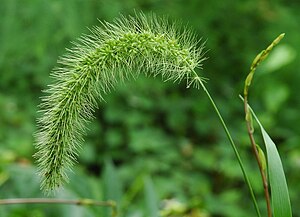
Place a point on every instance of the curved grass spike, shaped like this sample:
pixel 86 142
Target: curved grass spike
pixel 115 51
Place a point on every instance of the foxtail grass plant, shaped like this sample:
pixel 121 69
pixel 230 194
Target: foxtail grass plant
pixel 112 53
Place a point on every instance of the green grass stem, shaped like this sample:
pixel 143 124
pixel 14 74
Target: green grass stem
pixel 233 147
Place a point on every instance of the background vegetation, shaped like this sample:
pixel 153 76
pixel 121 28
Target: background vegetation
pixel 154 144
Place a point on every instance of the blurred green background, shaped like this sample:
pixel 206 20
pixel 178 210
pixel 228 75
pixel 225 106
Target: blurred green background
pixel 154 145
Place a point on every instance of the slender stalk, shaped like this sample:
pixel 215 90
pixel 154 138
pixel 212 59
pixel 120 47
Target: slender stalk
pixel 79 202
pixel 253 144
pixel 234 149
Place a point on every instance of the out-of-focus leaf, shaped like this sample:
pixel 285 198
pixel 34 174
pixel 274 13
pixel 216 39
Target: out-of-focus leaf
pixel 112 185
pixel 275 96
pixel 280 57
pixel 150 198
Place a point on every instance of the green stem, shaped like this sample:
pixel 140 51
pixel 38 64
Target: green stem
pixel 79 202
pixel 234 149
pixel 256 154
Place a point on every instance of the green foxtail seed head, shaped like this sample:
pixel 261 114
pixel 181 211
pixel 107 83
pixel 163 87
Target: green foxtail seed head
pixel 115 51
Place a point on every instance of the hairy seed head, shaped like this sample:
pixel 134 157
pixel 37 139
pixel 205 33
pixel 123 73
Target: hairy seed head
pixel 115 51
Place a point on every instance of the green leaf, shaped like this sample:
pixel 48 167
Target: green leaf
pixel 150 198
pixel 283 55
pixel 112 185
pixel 279 191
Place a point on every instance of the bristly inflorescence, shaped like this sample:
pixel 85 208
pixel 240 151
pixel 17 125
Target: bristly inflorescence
pixel 115 51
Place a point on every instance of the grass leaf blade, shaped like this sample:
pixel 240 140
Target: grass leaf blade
pixel 279 190
pixel 281 204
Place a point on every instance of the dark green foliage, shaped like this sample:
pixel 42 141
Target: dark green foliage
pixel 148 128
